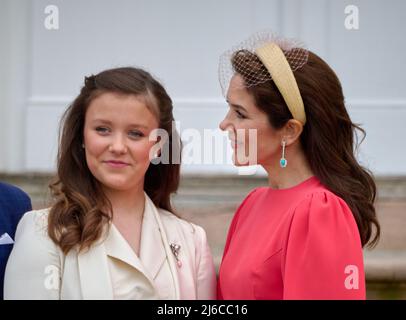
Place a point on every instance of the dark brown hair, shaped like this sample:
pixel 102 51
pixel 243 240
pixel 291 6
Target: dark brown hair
pixel 328 135
pixel 78 215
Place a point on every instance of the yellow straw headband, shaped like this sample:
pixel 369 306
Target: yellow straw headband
pixel 275 62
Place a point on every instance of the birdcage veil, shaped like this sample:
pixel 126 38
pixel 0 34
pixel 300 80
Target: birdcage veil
pixel 262 57
pixel 235 59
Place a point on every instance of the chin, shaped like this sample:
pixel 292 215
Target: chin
pixel 116 186
pixel 116 183
pixel 245 163
pixel 239 164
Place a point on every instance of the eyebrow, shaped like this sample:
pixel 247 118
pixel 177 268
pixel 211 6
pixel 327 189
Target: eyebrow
pixel 134 125
pixel 236 106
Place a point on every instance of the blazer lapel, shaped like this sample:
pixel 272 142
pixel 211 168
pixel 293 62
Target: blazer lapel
pixel 117 247
pixel 152 250
pixel 94 274
pixel 156 247
pixel 93 265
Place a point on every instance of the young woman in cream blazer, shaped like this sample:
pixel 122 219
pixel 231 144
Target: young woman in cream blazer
pixel 110 233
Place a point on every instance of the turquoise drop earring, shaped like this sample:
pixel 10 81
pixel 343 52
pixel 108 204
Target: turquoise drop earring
pixel 283 162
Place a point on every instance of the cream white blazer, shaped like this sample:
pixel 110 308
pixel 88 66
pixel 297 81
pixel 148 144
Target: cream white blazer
pixel 38 269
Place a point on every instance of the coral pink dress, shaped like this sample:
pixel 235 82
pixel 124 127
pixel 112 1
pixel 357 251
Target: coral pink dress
pixel 295 243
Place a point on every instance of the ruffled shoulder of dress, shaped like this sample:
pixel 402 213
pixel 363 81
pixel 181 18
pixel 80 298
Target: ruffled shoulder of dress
pixel 320 200
pixel 324 215
pixel 322 245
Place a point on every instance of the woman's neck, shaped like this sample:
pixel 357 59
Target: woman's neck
pixel 128 214
pixel 126 204
pixel 296 171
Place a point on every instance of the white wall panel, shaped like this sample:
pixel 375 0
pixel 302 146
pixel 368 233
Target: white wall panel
pixel 180 41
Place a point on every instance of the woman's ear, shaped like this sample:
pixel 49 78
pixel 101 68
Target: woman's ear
pixel 292 131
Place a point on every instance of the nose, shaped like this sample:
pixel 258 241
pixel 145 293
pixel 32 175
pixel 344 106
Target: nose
pixel 225 123
pixel 118 145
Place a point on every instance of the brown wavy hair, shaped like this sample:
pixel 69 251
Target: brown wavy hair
pixel 328 135
pixel 78 215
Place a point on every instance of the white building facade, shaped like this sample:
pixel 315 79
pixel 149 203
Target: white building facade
pixel 180 41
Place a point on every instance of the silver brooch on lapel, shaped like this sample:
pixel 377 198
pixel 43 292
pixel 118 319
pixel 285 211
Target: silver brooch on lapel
pixel 175 250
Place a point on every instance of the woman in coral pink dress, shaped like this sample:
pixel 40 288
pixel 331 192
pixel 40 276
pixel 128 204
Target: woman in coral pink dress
pixel 301 237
